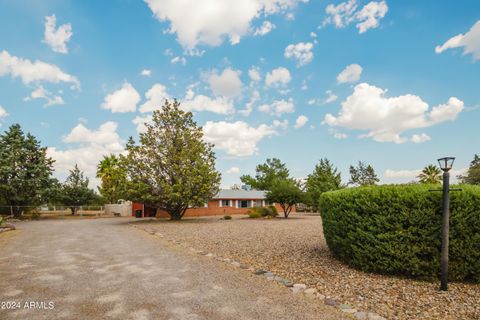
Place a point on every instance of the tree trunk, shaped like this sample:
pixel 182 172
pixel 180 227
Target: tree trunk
pixel 74 210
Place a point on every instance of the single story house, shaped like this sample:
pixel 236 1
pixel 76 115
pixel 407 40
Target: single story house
pixel 225 202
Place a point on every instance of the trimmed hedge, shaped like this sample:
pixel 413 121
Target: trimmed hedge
pixel 396 229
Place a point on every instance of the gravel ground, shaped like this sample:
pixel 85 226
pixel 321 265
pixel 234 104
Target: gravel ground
pixel 105 269
pixel 295 249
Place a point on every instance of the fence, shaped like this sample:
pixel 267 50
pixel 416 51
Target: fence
pixel 52 210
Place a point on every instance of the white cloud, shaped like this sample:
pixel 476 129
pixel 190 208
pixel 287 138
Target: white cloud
pixel 122 100
pixel 227 84
pixel 331 97
pixel 236 138
pixel 31 72
pixel 385 119
pixel 195 25
pixel 280 124
pixel 265 28
pixel 156 96
pixel 278 107
pixel 350 74
pixel 420 138
pixel 302 52
pixel 140 121
pixel 42 93
pixel 301 121
pixel 57 38
pixel 470 41
pixel 346 13
pixel 180 60
pixel 254 74
pixel 233 170
pixel 91 146
pixel 146 72
pixel 278 76
pixel 411 175
pixel 3 113
pixel 199 102
pixel 340 135
pixel 249 106
pixel 312 101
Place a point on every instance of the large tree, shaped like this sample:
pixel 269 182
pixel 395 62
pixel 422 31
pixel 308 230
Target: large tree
pixel 430 175
pixel 75 191
pixel 266 174
pixel 363 175
pixel 172 168
pixel 112 173
pixel 25 170
pixel 325 177
pixel 473 173
pixel 286 193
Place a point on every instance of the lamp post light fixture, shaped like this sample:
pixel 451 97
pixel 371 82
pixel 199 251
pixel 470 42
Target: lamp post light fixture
pixel 445 164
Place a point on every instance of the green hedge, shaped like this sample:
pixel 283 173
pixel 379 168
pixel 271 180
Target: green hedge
pixel 396 229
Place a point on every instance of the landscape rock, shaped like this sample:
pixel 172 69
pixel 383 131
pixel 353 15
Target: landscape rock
pixel 361 315
pixel 331 302
pixel 298 288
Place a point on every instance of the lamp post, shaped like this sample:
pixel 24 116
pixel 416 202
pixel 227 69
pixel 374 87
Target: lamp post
pixel 445 164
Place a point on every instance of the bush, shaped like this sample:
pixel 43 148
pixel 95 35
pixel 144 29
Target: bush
pixel 265 212
pixel 396 229
pixel 227 217
pixel 1 221
pixel 253 215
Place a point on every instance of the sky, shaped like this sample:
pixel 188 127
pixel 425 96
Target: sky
pixel 393 83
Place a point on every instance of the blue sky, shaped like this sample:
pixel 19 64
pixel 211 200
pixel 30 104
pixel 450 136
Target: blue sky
pixel 392 83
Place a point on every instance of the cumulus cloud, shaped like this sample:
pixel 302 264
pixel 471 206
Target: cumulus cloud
pixel 350 74
pixel 227 84
pixel 301 121
pixel 236 138
pixel 57 38
pixel 89 148
pixel 180 60
pixel 265 28
pixel 385 119
pixel 420 138
pixel 31 72
pixel 146 72
pixel 194 25
pixel 277 77
pixel 42 93
pixel 302 52
pixel 199 102
pixel 331 97
pixel 122 100
pixel 470 41
pixel 140 121
pixel 249 106
pixel 345 13
pixel 280 124
pixel 254 74
pixel 233 170
pixel 156 96
pixel 3 113
pixel 278 107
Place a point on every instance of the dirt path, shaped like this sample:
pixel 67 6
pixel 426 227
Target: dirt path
pixel 100 269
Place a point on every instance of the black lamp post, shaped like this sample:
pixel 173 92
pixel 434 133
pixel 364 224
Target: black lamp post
pixel 445 164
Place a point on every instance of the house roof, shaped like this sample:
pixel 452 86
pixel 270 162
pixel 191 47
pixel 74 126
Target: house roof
pixel 240 194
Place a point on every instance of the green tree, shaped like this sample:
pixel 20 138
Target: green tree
pixel 363 175
pixel 323 178
pixel 172 168
pixel 266 174
pixel 75 191
pixel 113 175
pixel 473 173
pixel 430 175
pixel 25 170
pixel 286 193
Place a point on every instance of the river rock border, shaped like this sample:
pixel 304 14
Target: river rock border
pixel 295 288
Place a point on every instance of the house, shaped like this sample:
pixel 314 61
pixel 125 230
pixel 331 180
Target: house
pixel 225 202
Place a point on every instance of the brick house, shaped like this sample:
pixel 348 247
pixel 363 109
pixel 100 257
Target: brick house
pixel 225 202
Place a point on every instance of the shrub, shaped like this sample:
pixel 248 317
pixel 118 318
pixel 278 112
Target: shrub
pixel 253 215
pixel 274 210
pixel 1 221
pixel 227 217
pixel 263 212
pixel 396 229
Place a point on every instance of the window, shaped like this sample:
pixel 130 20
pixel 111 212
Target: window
pixel 243 204
pixel 225 203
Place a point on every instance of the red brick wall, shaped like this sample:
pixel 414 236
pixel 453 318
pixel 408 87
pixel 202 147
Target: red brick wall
pixel 213 209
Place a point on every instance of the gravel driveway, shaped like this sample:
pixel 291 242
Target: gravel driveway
pixel 102 268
